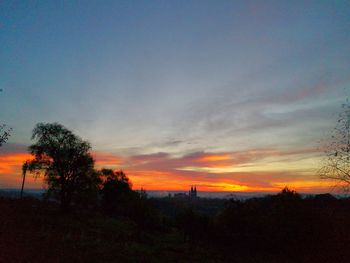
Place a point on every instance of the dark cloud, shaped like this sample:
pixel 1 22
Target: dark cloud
pixel 13 148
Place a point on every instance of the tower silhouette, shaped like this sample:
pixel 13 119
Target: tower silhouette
pixel 193 192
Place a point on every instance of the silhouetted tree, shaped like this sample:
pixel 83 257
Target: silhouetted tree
pixel 116 192
pixel 66 163
pixel 193 225
pixel 337 161
pixel 118 199
pixel 288 194
pixel 4 134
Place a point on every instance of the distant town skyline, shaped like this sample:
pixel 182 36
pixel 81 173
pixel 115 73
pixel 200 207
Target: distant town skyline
pixel 227 96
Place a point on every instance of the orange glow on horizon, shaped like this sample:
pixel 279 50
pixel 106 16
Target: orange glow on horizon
pixel 154 177
pixel 11 171
pixel 9 163
pixel 306 186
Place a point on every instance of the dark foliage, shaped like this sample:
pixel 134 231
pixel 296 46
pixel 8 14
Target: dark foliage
pixel 66 163
pixel 4 134
pixel 286 224
pixel 193 225
pixel 117 194
pixel 277 228
pixel 119 200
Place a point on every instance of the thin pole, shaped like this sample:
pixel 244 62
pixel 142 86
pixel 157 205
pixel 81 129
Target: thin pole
pixel 24 171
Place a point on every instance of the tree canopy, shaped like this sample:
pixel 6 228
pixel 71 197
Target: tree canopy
pixel 116 193
pixel 65 161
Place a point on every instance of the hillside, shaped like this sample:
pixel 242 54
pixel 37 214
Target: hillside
pixel 31 231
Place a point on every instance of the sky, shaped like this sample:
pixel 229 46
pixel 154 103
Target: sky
pixel 225 95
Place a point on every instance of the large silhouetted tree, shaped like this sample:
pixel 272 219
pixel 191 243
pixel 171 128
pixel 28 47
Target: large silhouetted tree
pixel 65 161
pixel 337 163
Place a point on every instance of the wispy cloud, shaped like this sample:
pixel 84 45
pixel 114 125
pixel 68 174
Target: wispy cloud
pixel 260 169
pixel 107 159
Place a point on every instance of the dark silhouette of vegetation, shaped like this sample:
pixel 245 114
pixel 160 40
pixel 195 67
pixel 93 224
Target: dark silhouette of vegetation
pixel 276 228
pixel 118 199
pixel 193 225
pixel 337 162
pixel 284 227
pixel 117 193
pixel 66 163
pixel 4 134
pixel 68 168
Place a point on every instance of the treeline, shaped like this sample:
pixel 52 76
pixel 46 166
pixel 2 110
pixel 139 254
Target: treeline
pixel 292 228
pixel 67 165
pixel 285 224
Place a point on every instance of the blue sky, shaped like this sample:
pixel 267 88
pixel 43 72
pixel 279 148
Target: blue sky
pixel 177 77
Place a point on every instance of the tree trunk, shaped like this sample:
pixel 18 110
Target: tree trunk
pixel 65 199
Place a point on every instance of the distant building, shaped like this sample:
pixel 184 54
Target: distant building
pixel 180 195
pixel 193 192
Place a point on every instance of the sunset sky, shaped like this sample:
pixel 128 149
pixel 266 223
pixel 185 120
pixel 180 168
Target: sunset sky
pixel 225 95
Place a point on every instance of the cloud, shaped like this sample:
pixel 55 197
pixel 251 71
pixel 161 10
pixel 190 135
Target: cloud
pixel 251 170
pixel 224 116
pixel 260 169
pixel 107 159
pixel 11 162
pixel 148 158
pixel 11 170
pixel 13 148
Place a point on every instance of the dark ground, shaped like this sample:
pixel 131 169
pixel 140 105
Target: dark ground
pixel 34 231
pixel 31 231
